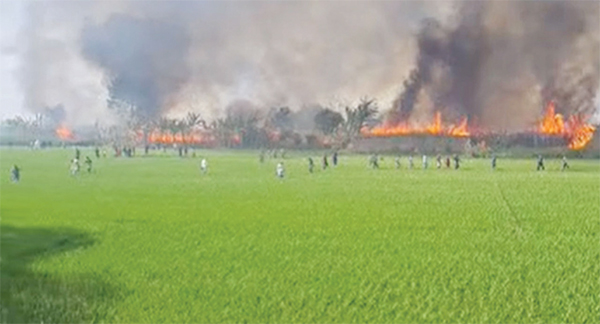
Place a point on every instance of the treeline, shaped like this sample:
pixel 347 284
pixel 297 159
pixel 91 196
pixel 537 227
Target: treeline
pixel 243 125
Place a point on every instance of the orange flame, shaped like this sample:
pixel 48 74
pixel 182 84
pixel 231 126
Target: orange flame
pixel 575 130
pixel 157 137
pixel 64 133
pixel 436 127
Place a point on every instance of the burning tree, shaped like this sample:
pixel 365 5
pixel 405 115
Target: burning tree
pixel 575 129
pixel 356 118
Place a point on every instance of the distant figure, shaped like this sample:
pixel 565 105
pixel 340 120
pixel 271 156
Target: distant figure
pixel 104 153
pixel 540 163
pixel 74 167
pixel 311 165
pixel 448 162
pixel 325 163
pixel 411 163
pixel 97 151
pixel 374 161
pixel 438 161
pixel 424 162
pixel 334 158
pixel 456 162
pixel 565 164
pixel 88 163
pixel 77 153
pixel 494 158
pixel 280 170
pixel 15 174
pixel 203 166
pixel 397 162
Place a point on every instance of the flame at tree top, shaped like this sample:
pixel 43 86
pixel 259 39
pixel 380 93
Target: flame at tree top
pixel 575 129
pixel 63 133
pixel 436 128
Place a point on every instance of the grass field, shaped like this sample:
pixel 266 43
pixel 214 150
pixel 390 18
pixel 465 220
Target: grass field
pixel 151 240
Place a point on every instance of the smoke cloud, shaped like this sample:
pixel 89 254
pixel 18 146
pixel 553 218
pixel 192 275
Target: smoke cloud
pixel 145 60
pixel 172 57
pixel 499 63
pixel 496 62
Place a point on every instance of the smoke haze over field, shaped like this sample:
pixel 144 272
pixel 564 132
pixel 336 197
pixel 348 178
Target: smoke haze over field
pixel 499 63
pixel 495 62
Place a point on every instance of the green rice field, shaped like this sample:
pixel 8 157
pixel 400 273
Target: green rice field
pixel 151 240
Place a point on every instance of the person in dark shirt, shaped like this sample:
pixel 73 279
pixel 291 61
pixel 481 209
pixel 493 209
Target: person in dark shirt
pixel 15 174
pixel 456 162
pixel 540 163
pixel 88 163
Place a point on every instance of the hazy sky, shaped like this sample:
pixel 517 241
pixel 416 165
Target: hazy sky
pixel 372 40
pixel 11 20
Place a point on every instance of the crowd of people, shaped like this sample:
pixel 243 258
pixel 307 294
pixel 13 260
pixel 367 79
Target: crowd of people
pixel 373 162
pixel 374 159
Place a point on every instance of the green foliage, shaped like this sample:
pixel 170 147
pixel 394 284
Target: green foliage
pixel 151 240
pixel 327 120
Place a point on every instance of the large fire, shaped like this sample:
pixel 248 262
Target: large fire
pixel 436 128
pixel 64 133
pixel 157 137
pixel 574 129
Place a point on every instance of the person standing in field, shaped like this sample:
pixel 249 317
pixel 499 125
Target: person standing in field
pixel 424 161
pixel 456 162
pixel 411 163
pixel 97 151
pixel 334 158
pixel 565 164
pixel 374 161
pixel 15 174
pixel 540 163
pixel 438 161
pixel 494 161
pixel 448 162
pixel 280 170
pixel 397 161
pixel 74 167
pixel 325 163
pixel 311 165
pixel 203 166
pixel 88 163
pixel 77 153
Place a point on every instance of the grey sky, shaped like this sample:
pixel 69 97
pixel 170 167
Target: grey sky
pixel 11 20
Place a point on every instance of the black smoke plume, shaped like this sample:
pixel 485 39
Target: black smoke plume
pixel 144 59
pixel 499 63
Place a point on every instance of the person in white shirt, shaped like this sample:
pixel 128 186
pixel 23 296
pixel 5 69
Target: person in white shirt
pixel 74 167
pixel 203 166
pixel 280 170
